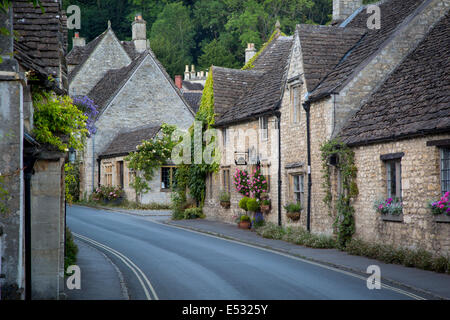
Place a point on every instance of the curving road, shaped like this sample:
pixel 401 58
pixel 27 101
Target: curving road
pixel 160 261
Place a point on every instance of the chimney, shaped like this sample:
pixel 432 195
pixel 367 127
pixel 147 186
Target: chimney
pixel 77 41
pixel 250 51
pixel 139 33
pixel 192 72
pixel 179 81
pixel 186 73
pixel 342 9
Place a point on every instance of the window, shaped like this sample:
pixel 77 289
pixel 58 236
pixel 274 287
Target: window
pixel 210 179
pixel 394 173
pixel 298 188
pixel 120 173
pixel 226 180
pixel 224 137
pixel 263 128
pixel 108 174
pixel 168 177
pixel 445 170
pixel 295 104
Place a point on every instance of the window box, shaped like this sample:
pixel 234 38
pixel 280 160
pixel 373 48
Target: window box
pixel 442 218
pixel 392 217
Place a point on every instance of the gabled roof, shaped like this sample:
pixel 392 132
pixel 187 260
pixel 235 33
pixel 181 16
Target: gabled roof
pixel 393 13
pixel 127 141
pixel 414 100
pixel 193 99
pixel 40 44
pixel 264 92
pixel 192 85
pixel 323 47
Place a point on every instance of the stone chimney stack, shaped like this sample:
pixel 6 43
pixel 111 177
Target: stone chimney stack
pixel 139 33
pixel 179 81
pixel 342 9
pixel 250 51
pixel 187 74
pixel 78 41
pixel 193 72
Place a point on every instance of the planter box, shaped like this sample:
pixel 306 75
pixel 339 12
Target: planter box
pixel 442 218
pixel 391 217
pixel 225 204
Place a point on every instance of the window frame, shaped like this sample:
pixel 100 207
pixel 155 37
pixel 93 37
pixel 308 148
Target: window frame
pixel 172 182
pixel 396 165
pixel 445 181
pixel 108 174
pixel 295 102
pixel 298 189
pixel 226 180
pixel 264 132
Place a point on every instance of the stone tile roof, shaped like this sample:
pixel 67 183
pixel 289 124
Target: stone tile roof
pixel 323 47
pixel 393 13
pixel 127 141
pixel 76 55
pixel 264 93
pixel 414 100
pixel 193 99
pixel 40 44
pixel 130 49
pixel 192 85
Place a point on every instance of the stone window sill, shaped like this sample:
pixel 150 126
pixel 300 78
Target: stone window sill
pixel 392 218
pixel 442 218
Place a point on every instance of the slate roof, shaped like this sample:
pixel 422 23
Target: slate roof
pixel 393 13
pixel 323 47
pixel 414 100
pixel 188 85
pixel 127 141
pixel 263 93
pixel 193 99
pixel 40 45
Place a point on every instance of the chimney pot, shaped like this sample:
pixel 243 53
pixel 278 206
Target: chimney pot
pixel 179 81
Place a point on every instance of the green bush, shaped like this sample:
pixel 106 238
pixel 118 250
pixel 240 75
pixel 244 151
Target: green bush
pixel 271 231
pixel 244 218
pixel 193 213
pixel 252 205
pixel 243 203
pixel 71 250
pixel 293 207
pixel 265 202
pixel 224 196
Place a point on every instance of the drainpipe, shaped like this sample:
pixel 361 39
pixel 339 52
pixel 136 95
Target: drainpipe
pixel 93 162
pixel 306 106
pixel 278 114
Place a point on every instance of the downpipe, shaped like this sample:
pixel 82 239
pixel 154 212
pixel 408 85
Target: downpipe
pixel 307 107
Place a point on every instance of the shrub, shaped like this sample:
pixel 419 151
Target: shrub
pixel 243 203
pixel 252 205
pixel 107 193
pixel 244 218
pixel 293 207
pixel 265 202
pixel 271 231
pixel 71 250
pixel 224 196
pixel 193 213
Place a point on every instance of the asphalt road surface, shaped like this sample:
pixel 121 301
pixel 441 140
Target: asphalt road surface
pixel 162 262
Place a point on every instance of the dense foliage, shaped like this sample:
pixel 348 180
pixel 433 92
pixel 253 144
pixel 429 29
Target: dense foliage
pixel 71 250
pixel 107 193
pixel 57 121
pixel 72 179
pixel 149 155
pixel 202 32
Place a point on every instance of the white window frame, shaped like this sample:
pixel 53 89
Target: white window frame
pixel 295 102
pixel 298 188
pixel 445 169
pixel 264 131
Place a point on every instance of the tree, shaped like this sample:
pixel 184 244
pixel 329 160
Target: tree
pixel 172 37
pixel 215 53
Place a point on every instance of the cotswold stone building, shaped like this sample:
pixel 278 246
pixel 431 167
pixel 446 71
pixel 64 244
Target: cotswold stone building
pixel 131 89
pixel 384 92
pixel 32 217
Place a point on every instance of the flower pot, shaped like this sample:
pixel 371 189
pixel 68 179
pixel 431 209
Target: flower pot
pixel 225 204
pixel 294 216
pixel 265 208
pixel 244 225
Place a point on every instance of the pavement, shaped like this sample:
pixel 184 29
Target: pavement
pixel 160 259
pixel 428 282
pixel 100 277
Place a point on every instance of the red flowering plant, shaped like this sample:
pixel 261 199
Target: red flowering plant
pixel 442 206
pixel 252 184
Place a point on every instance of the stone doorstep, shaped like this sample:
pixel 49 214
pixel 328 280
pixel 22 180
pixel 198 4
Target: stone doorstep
pixel 392 218
pixel 442 218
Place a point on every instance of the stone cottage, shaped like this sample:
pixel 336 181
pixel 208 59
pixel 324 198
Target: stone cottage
pixel 32 218
pixel 247 106
pixel 131 89
pixel 342 70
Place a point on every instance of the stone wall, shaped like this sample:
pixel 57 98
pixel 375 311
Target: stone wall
pixel 241 137
pixel 47 229
pixel 109 54
pixel 157 102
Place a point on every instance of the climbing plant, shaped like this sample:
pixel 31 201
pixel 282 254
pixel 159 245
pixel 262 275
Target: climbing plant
pixel 57 121
pixel 72 181
pixel 344 221
pixel 3 194
pixel 149 155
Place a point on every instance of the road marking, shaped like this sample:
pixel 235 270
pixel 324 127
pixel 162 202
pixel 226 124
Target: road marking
pixel 401 291
pixel 133 267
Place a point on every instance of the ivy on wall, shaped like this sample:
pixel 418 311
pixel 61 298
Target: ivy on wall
pixel 345 163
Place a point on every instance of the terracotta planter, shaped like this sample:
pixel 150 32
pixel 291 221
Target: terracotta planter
pixel 265 208
pixel 244 225
pixel 225 204
pixel 294 216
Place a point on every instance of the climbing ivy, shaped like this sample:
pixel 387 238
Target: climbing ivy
pixel 249 65
pixel 344 221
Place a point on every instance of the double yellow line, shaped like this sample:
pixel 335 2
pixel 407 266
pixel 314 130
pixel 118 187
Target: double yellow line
pixel 142 278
